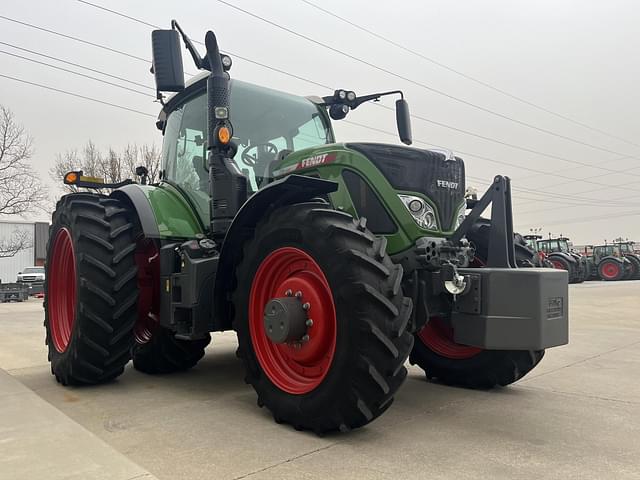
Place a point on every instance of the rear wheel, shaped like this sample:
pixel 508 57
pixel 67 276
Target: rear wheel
pixel 90 289
pixel 451 363
pixel 610 270
pixel 321 319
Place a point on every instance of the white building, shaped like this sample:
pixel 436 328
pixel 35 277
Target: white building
pixel 35 254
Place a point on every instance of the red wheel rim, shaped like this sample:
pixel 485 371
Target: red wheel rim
pixel 148 262
pixel 295 368
pixel 610 270
pixel 438 337
pixel 61 295
pixel 557 264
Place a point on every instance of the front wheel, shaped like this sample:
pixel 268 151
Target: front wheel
pixel 321 319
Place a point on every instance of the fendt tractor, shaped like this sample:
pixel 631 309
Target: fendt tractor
pixel 559 252
pixel 333 262
pixel 610 264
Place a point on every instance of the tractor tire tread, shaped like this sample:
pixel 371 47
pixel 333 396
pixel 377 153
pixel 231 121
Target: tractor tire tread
pixel 106 309
pixel 363 379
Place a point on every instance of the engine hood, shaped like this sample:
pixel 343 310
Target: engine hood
pixel 439 177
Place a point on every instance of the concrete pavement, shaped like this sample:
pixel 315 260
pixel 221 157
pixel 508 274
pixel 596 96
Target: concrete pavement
pixel 575 416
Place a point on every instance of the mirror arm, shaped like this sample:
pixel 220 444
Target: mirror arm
pixel 197 59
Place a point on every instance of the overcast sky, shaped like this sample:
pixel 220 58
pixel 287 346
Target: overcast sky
pixel 576 58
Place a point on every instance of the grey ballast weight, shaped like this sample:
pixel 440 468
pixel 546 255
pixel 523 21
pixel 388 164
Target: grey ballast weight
pixel 512 309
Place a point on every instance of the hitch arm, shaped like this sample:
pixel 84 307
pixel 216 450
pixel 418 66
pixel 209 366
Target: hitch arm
pixel 501 248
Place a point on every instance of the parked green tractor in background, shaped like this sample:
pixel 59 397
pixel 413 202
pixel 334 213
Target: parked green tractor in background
pixel 333 262
pixel 610 264
pixel 559 252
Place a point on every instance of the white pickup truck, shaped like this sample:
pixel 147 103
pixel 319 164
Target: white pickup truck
pixel 33 277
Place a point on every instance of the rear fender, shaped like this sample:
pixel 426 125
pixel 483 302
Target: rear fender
pixel 565 256
pixel 137 200
pixel 291 189
pixel 619 260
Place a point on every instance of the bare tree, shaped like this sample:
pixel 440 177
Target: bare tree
pixel 20 188
pixel 19 240
pixel 112 166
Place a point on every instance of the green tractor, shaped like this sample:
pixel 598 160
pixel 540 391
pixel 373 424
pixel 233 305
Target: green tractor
pixel 610 264
pixel 333 262
pixel 560 254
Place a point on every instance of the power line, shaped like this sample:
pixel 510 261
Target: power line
pixel 146 114
pixel 588 219
pixel 137 20
pixel 84 67
pixel 301 78
pixel 467 76
pixel 443 125
pixel 75 73
pixel 512 145
pixel 47 87
pixel 86 42
pixel 410 80
pixel 487 182
pixel 249 60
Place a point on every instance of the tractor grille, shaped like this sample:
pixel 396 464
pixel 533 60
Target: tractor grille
pixel 423 171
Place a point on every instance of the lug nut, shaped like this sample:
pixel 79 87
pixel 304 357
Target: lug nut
pixel 288 293
pixel 298 294
pixel 306 306
pixel 309 323
pixel 305 338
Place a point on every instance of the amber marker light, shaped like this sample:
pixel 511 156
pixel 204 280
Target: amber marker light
pixel 224 135
pixel 70 178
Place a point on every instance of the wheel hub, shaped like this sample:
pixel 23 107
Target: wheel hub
pixel 285 320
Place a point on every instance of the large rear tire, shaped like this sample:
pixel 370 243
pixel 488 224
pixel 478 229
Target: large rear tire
pixel 345 373
pixel 91 291
pixel 453 364
pixel 611 270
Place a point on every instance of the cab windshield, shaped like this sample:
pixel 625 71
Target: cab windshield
pixel 267 124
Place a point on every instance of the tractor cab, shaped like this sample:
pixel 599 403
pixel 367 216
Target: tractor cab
pixel 554 245
pixel 268 125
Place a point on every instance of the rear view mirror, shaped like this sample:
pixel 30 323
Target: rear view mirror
pixel 403 119
pixel 167 61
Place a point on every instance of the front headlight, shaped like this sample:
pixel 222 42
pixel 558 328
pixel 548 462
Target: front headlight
pixel 421 211
pixel 460 216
